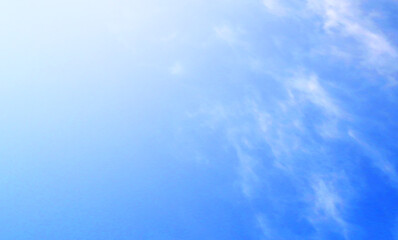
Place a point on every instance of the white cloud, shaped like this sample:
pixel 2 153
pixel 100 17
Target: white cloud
pixel 379 161
pixel 327 201
pixel 295 129
pixel 309 88
pixel 328 204
pixel 344 17
pixel 294 152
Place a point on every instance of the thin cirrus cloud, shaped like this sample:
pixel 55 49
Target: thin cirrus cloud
pixel 345 18
pixel 295 134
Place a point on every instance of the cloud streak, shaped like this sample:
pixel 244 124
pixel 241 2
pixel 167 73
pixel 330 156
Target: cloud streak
pixel 344 17
pixel 297 132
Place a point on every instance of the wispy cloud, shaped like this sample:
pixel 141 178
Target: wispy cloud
pixel 328 204
pixel 376 156
pixel 247 171
pixel 344 17
pixel 274 7
pixel 294 153
pixel 232 35
pixel 308 88
pixel 266 227
pixel 291 131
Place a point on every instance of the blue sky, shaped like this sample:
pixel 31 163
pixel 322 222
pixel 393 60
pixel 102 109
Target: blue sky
pixel 199 119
